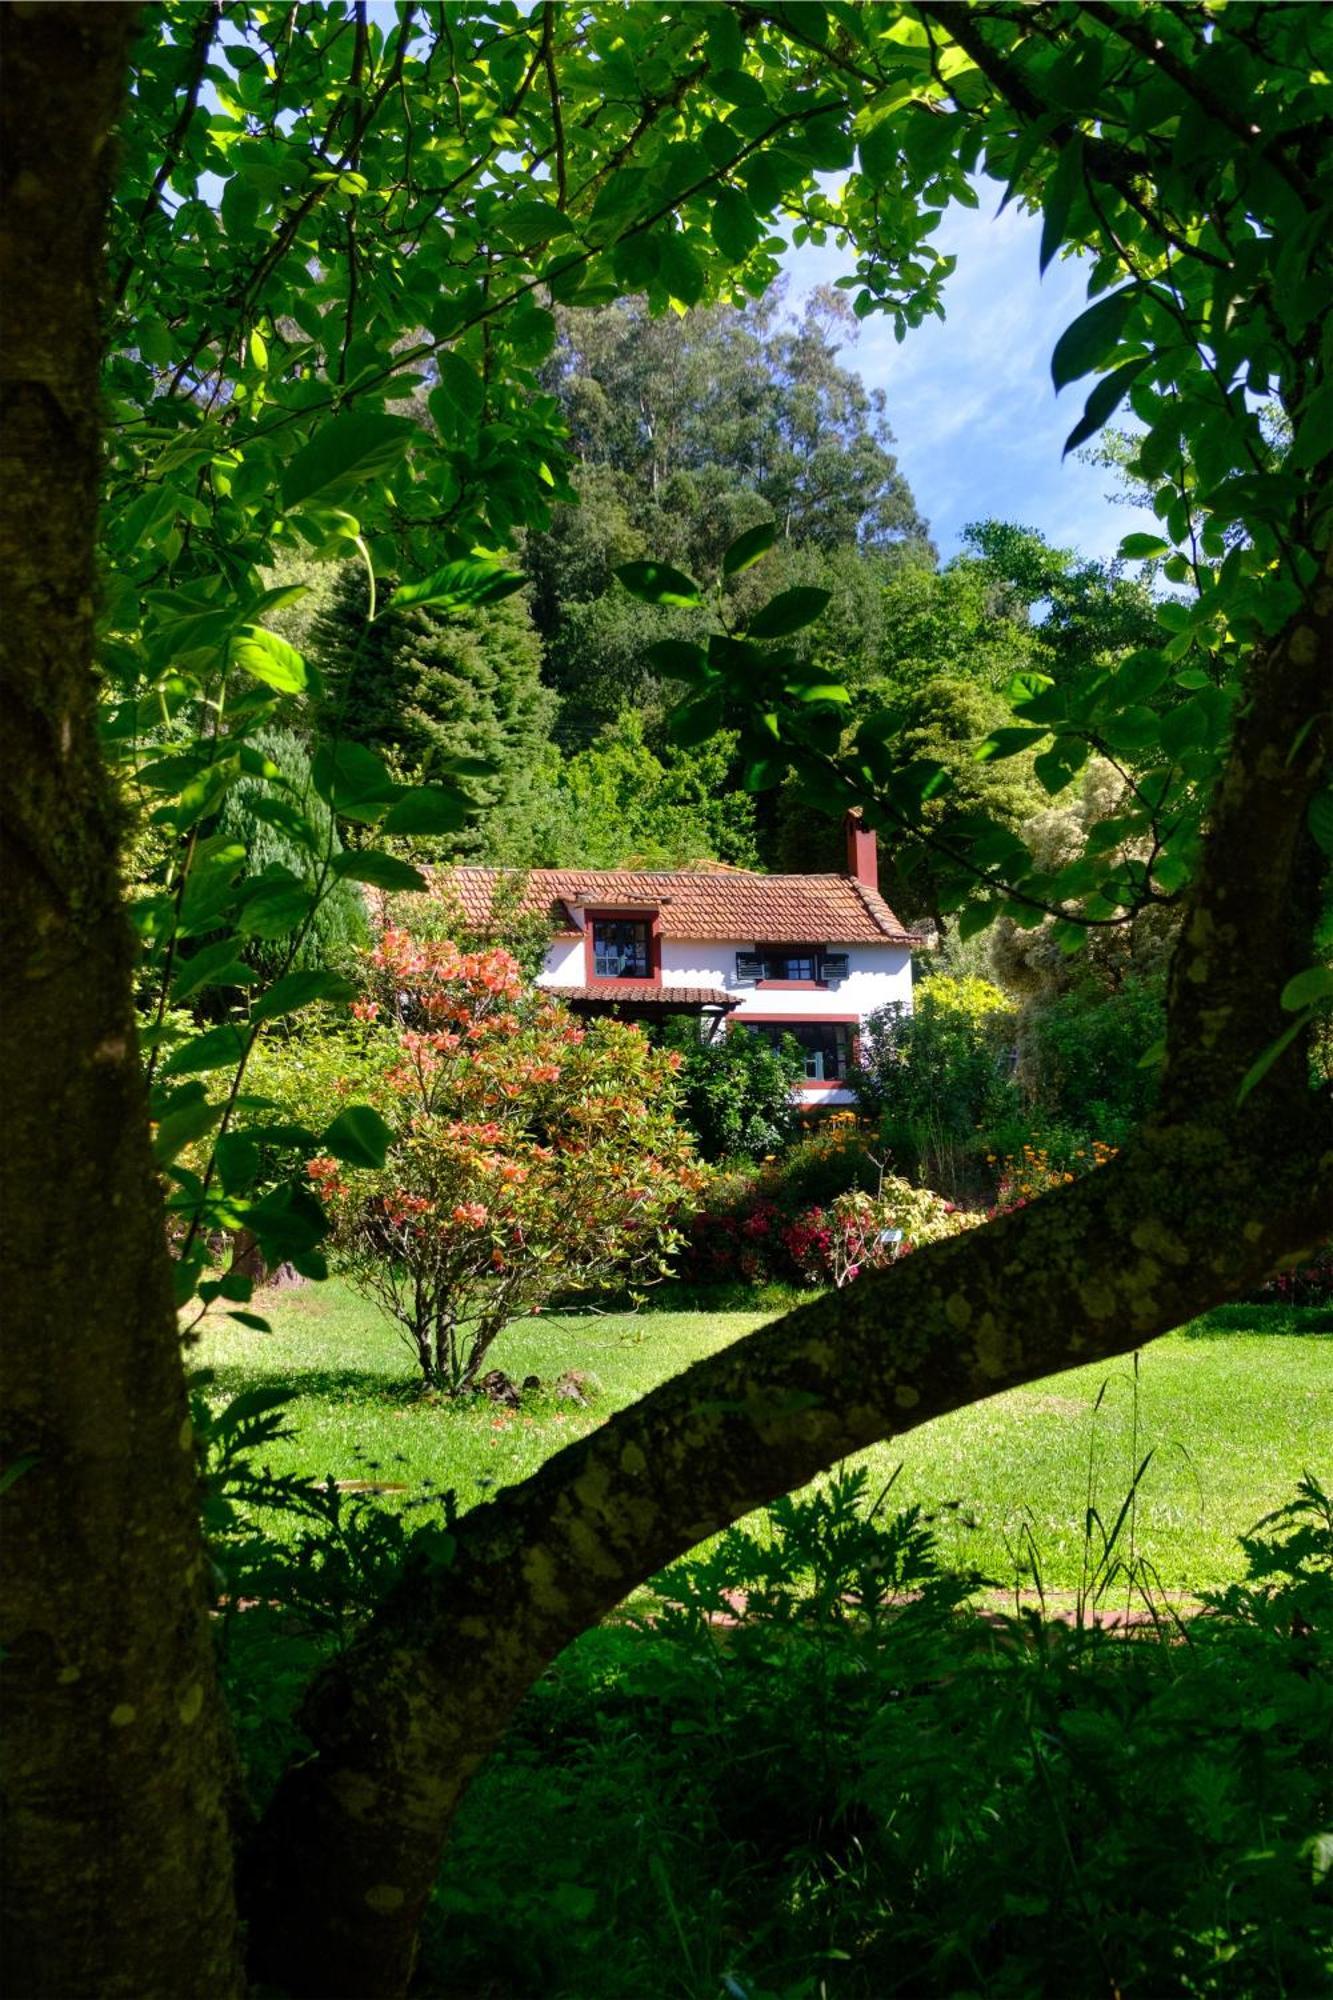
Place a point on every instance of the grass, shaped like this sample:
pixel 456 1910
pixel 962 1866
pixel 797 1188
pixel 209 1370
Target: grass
pixel 1233 1408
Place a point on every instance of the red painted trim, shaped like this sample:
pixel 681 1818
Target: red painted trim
pixel 804 1020
pixel 806 985
pixel 653 919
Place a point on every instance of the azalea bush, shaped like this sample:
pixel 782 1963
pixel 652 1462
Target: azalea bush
pixel 527 1155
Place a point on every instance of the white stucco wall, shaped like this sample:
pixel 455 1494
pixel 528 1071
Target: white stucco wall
pixel 877 975
pixel 564 964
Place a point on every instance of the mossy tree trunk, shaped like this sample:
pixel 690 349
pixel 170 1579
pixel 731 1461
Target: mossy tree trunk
pixel 117 1878
pixel 1201 1207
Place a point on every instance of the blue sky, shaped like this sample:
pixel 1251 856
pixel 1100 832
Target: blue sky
pixel 978 425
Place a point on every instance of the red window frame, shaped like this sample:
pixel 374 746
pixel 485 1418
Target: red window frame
pixel 651 918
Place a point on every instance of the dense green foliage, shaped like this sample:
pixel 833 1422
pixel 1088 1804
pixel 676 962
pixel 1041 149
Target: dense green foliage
pixel 736 1092
pixel 855 1788
pixel 438 695
pixel 340 927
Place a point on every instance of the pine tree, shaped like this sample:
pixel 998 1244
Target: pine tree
pixel 423 688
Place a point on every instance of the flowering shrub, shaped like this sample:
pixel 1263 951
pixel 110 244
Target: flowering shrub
pixel 869 1231
pixel 1030 1171
pixel 747 1231
pixel 529 1154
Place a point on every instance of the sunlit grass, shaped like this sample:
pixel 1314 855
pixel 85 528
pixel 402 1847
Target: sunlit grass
pixel 1233 1411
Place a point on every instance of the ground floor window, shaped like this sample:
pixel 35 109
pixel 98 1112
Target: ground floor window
pixel 826 1045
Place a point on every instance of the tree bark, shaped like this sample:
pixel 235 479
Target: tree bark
pixel 1202 1207
pixel 118 1877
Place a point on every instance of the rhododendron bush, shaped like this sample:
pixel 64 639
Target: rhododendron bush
pixel 531 1154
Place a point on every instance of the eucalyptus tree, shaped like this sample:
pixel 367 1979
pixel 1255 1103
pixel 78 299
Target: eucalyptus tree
pixel 318 225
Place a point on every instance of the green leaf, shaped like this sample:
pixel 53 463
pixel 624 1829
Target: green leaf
pixel 696 720
pixel 1103 402
pixel 217 964
pixel 457 404
pixel 300 989
pixel 1308 989
pixel 659 583
pixel 974 918
pixel 216 1048
pixel 358 1135
pixel 289 1222
pixel 277 904
pixel 791 611
pixel 270 659
pixel 830 693
pixel 1003 743
pixel 734 86
pixel 1143 548
pixel 380 871
pixel 749 548
pixel 1058 197
pixel 353 781
pixel 1320 821
pixel 1091 338
pixel 528 223
pixel 237 1156
pixel 427 809
pixel 734 225
pixel 470 581
pixel 678 660
pixel 180 1129
pixel 346 452
pixel 1259 1070
pixel 682 273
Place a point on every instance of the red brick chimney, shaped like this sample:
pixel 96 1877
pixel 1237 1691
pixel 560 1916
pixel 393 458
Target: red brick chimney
pixel 862 852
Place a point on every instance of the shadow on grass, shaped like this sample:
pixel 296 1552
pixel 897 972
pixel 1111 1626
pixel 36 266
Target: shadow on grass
pixel 1224 1320
pixel 342 1385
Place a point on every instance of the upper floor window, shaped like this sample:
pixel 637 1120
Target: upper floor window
pixel 792 964
pixel 621 948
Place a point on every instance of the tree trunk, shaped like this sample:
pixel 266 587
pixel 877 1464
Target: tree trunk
pixel 1198 1210
pixel 118 1876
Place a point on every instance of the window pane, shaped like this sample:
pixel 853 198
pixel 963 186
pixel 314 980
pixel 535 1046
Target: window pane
pixel 620 949
pixel 826 1045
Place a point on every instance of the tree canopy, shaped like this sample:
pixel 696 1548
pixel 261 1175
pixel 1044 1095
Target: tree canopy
pixel 320 223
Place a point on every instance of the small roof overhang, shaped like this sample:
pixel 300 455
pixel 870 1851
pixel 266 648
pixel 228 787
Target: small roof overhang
pixel 647 997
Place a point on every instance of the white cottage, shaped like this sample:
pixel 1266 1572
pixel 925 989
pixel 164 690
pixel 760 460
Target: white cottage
pixel 809 956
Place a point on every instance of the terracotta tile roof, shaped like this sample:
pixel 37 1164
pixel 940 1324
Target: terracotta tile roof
pixel 643 992
pixel 738 907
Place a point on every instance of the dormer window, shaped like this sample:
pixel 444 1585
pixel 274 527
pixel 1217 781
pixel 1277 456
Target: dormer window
pixel 621 948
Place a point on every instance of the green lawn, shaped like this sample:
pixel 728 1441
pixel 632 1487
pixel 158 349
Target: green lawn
pixel 1234 1410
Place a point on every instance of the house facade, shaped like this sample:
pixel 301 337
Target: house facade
pixel 811 956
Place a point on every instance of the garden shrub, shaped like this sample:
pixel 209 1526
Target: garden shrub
pixel 1081 1056
pixel 934 1080
pixel 527 1155
pixel 736 1091
pixel 765 1227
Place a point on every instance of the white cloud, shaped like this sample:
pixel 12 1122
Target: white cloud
pixel 979 429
